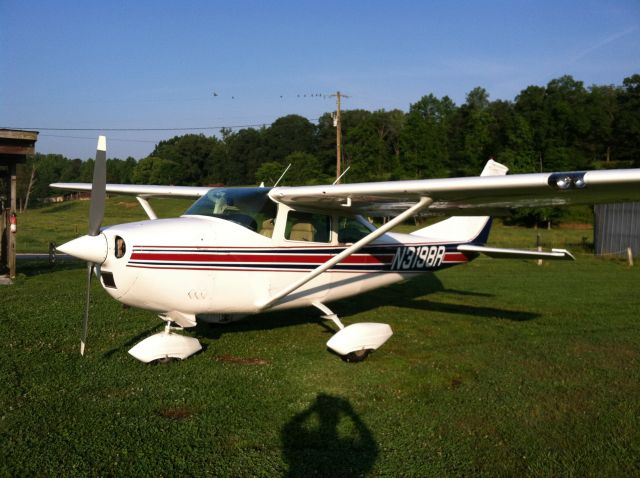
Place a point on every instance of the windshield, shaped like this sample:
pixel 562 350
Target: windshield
pixel 249 207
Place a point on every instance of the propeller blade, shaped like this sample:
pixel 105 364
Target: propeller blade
pixel 85 322
pixel 96 213
pixel 98 187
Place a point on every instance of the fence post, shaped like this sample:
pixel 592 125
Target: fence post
pixel 52 253
pixel 539 247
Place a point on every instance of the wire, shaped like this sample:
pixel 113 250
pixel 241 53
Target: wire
pixel 196 128
pixel 92 138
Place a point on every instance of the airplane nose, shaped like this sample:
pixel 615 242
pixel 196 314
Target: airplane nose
pixel 88 248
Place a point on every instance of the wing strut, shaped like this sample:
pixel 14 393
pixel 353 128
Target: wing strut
pixel 423 203
pixel 142 199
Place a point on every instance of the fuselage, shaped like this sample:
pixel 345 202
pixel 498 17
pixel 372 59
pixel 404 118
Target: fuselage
pixel 230 262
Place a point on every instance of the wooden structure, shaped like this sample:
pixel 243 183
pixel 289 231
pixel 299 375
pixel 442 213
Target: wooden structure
pixel 15 145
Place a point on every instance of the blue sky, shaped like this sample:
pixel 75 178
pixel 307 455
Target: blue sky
pixel 156 64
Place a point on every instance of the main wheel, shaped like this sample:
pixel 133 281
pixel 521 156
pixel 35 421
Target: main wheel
pixel 164 360
pixel 357 356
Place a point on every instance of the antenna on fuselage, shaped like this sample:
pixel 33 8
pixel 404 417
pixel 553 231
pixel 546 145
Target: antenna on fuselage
pixel 340 177
pixel 282 176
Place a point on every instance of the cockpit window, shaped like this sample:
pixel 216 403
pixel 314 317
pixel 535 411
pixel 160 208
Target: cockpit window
pixel 249 207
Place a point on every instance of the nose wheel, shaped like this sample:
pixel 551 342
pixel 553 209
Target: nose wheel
pixel 357 356
pixel 165 345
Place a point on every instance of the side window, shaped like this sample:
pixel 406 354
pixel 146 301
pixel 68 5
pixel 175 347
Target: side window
pixel 351 230
pixel 305 226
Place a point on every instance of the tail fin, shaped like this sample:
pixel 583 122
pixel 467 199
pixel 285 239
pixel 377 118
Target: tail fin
pixel 464 229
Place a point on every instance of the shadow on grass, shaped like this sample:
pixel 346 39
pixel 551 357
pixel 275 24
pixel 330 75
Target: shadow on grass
pixel 35 267
pixel 328 439
pixel 398 293
pixel 409 295
pixel 134 340
pixel 489 312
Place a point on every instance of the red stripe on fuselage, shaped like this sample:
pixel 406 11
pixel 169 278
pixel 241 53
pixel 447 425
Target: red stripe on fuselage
pixel 455 257
pixel 260 258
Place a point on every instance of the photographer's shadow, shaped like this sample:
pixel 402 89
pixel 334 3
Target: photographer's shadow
pixel 328 439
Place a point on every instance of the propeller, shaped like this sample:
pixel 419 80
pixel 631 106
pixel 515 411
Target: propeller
pixel 96 213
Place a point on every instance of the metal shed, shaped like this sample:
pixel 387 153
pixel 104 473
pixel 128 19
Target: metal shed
pixel 617 228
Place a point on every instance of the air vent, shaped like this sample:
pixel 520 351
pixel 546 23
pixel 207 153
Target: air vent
pixel 107 280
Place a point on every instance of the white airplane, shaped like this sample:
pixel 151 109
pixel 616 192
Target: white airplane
pixel 241 251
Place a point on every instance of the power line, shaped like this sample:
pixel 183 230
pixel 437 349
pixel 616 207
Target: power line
pixel 93 138
pixel 195 128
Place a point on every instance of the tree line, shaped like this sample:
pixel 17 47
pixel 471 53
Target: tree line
pixel 561 126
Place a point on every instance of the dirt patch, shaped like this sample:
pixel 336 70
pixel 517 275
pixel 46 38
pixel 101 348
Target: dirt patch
pixel 175 413
pixel 241 360
pixel 127 205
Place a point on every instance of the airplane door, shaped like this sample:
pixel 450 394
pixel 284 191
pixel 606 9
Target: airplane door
pixel 306 242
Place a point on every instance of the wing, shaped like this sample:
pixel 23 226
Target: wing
pixel 141 189
pixel 482 195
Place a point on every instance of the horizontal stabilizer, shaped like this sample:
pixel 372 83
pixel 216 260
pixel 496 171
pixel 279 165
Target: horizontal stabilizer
pixel 499 253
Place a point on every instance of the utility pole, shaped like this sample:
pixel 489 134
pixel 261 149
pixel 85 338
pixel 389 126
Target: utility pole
pixel 338 125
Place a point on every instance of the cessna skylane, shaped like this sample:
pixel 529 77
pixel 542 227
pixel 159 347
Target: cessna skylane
pixel 242 251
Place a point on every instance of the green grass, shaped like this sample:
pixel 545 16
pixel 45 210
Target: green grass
pixel 496 368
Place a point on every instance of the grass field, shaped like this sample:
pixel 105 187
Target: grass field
pixel 499 368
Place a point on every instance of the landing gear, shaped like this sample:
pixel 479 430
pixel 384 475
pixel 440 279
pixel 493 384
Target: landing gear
pixel 357 356
pixel 356 341
pixel 165 346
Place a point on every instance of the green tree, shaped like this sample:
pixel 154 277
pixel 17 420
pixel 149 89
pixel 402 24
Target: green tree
pixel 155 170
pixel 49 168
pixel 372 148
pixel 245 153
pixel 601 109
pixel 627 123
pixel 424 138
pixel 269 172
pixel 471 133
pixel 288 134
pixel 305 169
pixel 565 102
pixel 530 104
pixel 119 171
pixel 192 153
pixel 326 138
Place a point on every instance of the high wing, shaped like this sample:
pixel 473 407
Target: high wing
pixel 480 195
pixel 141 189
pixel 477 195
